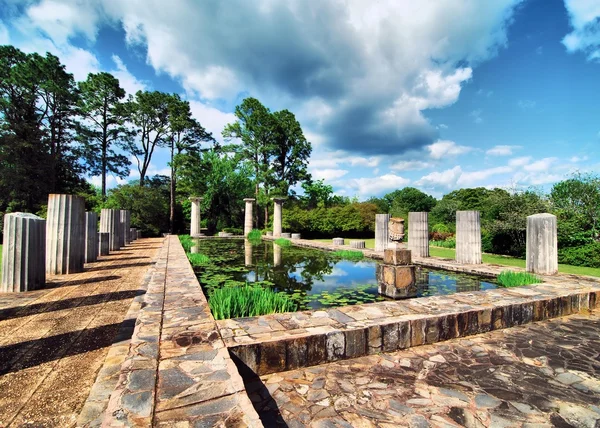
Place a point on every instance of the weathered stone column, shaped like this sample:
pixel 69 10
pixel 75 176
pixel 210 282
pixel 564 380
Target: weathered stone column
pixel 65 234
pixel 418 234
pixel 468 237
pixel 382 234
pixel 247 253
pixel 276 255
pixel 104 239
pixel 195 220
pixel 542 245
pixel 91 237
pixel 277 208
pixel 248 215
pixel 126 225
pixel 23 253
pixel 132 234
pixel 110 222
pixel 139 234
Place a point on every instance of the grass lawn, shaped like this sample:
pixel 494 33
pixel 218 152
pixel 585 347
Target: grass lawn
pixel 448 253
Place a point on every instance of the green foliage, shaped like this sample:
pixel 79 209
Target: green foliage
pixel 440 228
pixel 255 236
pixel 317 194
pixel 447 243
pixel 584 255
pixel 516 279
pixel 248 301
pixel 197 259
pixel 408 199
pixel 233 230
pixel 349 254
pixel 282 242
pixel 187 242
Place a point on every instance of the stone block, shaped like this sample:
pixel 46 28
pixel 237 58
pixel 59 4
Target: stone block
pixel 382 235
pixel 390 337
pixel 356 343
pixel 468 237
pixel 297 353
pixel 404 334
pixel 126 225
pixel 335 345
pixel 139 234
pixel 418 233
pixel 396 282
pixel 132 234
pixel 316 351
pixel 542 244
pixel 65 234
pixel 417 331
pixel 104 243
pixel 338 241
pixel 23 253
pixel 296 236
pixel 272 357
pixel 358 244
pixel 110 222
pixel 397 257
pixel 286 235
pixel 375 339
pixel 91 237
pixel 269 233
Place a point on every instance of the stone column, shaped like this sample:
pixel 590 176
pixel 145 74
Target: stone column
pixel 248 215
pixel 104 239
pixel 139 234
pixel 195 220
pixel 126 225
pixel 418 234
pixel 65 234
pixel 382 234
pixel 23 253
pixel 542 246
pixel 110 223
pixel 91 237
pixel 277 208
pixel 468 237
pixel 132 234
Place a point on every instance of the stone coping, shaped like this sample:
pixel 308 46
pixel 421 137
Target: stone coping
pixel 178 370
pixel 288 341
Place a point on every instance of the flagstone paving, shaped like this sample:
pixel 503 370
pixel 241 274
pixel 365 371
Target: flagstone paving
pixel 53 341
pixel 540 375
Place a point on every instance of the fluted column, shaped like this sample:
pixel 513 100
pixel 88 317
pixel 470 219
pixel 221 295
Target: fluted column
pixel 23 253
pixel 468 237
pixel 65 234
pixel 126 225
pixel 110 223
pixel 542 244
pixel 418 234
pixel 382 233
pixel 248 215
pixel 91 237
pixel 195 230
pixel 104 240
pixel 277 209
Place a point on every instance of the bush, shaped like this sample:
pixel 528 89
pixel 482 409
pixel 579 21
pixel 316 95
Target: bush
pixel 440 228
pixel 586 255
pixel 282 242
pixel 349 254
pixel 186 242
pixel 233 230
pixel 439 236
pixel 197 259
pixel 449 242
pixel 254 236
pixel 509 278
pixel 248 301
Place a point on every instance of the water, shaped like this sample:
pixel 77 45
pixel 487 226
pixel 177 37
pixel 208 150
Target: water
pixel 316 279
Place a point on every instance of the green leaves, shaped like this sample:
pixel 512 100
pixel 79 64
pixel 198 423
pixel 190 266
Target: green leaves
pixel 516 279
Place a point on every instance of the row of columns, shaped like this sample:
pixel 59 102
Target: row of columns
pixel 60 244
pixel 541 249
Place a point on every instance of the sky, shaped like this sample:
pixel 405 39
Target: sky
pixel 437 95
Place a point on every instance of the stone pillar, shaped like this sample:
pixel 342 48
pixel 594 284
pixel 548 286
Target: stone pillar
pixel 65 234
pixel 110 222
pixel 277 208
pixel 139 234
pixel 126 225
pixel 195 220
pixel 468 237
pixel 247 253
pixel 132 234
pixel 286 235
pixel 248 215
pixel 104 239
pixel 296 236
pixel 396 276
pixel 358 244
pixel 338 241
pixel 382 234
pixel 418 234
pixel 91 237
pixel 23 253
pixel 276 255
pixel 542 246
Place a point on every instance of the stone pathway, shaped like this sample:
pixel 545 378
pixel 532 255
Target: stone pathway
pixel 54 341
pixel 539 375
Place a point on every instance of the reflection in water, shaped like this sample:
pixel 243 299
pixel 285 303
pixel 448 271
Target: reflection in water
pixel 194 249
pixel 315 278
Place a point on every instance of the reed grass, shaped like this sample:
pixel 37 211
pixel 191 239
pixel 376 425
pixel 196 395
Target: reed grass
pixel 349 254
pixel 509 278
pixel 186 242
pixel 248 301
pixel 255 236
pixel 197 259
pixel 282 242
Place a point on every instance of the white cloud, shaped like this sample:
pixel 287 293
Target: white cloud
pixel 576 159
pixel 584 17
pixel 476 115
pixel 366 187
pixel 520 161
pixel 442 126
pixel 540 165
pixel 4 37
pixel 332 159
pixel 502 150
pixel 446 148
pixel 212 119
pixel 127 80
pixel 475 178
pixel 328 174
pixel 526 104
pixel 441 180
pixel 410 165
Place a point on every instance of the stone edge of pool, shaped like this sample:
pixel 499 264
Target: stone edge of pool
pixel 280 342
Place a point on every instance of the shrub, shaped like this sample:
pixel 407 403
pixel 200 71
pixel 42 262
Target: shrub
pixel 282 242
pixel 440 228
pixel 585 255
pixel 233 230
pixel 197 259
pixel 449 242
pixel 254 236
pixel 186 242
pixel 248 301
pixel 349 254
pixel 509 278
pixel 439 236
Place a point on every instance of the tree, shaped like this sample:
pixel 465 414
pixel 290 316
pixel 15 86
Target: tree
pixel 184 136
pixel 148 112
pixel 409 199
pixel 103 128
pixel 317 193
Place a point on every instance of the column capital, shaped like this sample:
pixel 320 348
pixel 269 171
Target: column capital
pixel 278 200
pixel 249 199
pixel 196 199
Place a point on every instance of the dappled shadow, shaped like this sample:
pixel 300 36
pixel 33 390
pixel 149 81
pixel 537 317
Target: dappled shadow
pixel 119 258
pixel 55 282
pixel 259 395
pixel 123 266
pixel 59 305
pixel 24 355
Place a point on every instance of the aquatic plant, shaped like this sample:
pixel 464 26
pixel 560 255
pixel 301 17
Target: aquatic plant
pixel 282 242
pixel 254 236
pixel 349 254
pixel 197 259
pixel 248 301
pixel 509 278
pixel 186 242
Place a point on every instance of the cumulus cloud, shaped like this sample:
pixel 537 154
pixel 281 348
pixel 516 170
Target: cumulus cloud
pixel 410 165
pixel 4 37
pixel 213 119
pixel 526 104
pixel 502 150
pixel 442 149
pixel 476 115
pixel 327 174
pixel 437 180
pixel 127 80
pixel 373 186
pixel 584 16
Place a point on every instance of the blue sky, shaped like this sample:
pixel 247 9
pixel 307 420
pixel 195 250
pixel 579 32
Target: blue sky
pixel 440 95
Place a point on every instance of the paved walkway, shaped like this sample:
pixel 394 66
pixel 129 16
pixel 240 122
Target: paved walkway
pixel 54 341
pixel 539 375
